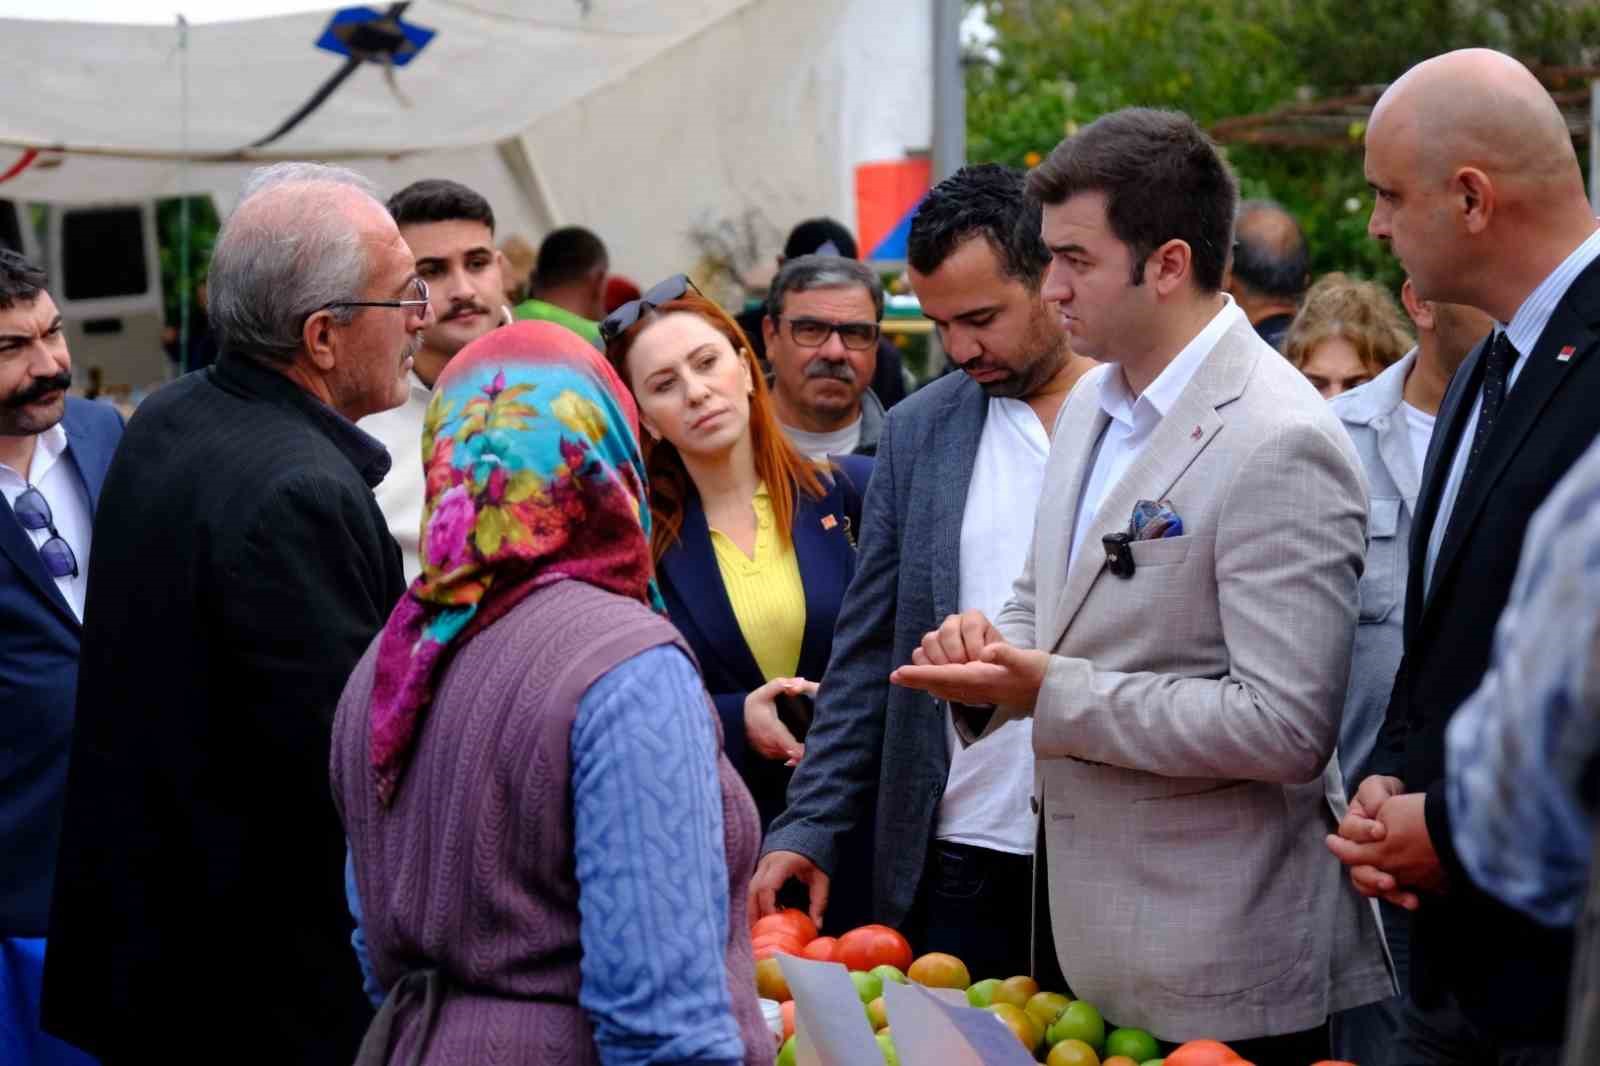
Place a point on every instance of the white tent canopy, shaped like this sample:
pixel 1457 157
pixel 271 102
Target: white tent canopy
pixel 638 118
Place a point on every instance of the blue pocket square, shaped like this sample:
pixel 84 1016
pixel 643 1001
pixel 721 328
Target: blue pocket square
pixel 1154 521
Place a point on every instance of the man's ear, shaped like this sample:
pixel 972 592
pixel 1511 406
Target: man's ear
pixel 1420 310
pixel 769 332
pixel 319 337
pixel 1474 195
pixel 1169 266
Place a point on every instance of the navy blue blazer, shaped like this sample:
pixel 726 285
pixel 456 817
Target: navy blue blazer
pixel 39 637
pixel 699 606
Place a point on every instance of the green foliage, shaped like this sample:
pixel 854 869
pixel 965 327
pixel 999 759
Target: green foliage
pixel 1062 63
pixel 203 226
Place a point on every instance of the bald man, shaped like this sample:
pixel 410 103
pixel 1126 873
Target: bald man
pixel 1480 195
pixel 1270 269
pixel 199 911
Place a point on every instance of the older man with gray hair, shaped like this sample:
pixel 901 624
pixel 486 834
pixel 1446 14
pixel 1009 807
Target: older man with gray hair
pixel 821 333
pixel 241 568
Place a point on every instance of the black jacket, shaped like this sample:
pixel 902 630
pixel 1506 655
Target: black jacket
pixel 240 568
pixel 1501 966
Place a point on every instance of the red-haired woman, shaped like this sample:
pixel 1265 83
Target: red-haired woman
pixel 754 544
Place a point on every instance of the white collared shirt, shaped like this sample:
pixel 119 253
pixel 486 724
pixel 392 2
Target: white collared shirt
pixel 401 493
pixel 1524 331
pixel 1135 418
pixel 986 793
pixel 58 481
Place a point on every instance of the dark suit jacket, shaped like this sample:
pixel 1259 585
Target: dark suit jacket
pixel 1500 965
pixel 38 680
pixel 240 568
pixel 874 746
pixel 699 606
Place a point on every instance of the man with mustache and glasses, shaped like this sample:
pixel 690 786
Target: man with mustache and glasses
pixel 450 228
pixel 199 899
pixel 821 333
pixel 54 451
pixel 946 523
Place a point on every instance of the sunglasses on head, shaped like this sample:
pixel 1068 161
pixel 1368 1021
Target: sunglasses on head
pixel 625 317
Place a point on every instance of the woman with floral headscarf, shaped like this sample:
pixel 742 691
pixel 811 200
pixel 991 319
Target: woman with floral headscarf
pixel 544 833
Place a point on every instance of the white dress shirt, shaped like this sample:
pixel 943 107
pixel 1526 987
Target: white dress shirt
pixel 1135 418
pixel 402 491
pixel 58 481
pixel 1524 331
pixel 986 795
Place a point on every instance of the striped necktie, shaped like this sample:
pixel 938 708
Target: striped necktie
pixel 1496 373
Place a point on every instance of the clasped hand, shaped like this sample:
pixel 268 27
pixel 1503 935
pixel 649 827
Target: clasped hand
pixel 966 660
pixel 1384 842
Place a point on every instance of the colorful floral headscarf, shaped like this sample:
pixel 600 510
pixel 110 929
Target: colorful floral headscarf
pixel 534 476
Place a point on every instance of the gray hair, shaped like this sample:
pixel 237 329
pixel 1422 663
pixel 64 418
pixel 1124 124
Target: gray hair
pixel 288 249
pixel 807 272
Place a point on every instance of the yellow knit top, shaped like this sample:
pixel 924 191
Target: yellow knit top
pixel 768 597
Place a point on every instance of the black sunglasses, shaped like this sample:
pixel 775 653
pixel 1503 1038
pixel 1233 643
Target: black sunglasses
pixel 623 318
pixel 33 512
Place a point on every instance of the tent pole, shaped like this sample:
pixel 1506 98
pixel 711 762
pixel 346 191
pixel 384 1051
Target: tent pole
pixel 949 91
pixel 183 193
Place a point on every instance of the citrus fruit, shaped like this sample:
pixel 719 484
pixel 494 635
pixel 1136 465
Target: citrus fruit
pixel 878 1013
pixel 1069 1053
pixel 786 1054
pixel 873 945
pixel 770 983
pixel 1080 1021
pixel 890 973
pixel 1046 1007
pixel 1016 990
pixel 1136 1044
pixel 821 949
pixel 1025 1028
pixel 938 970
pixel 869 986
pixel 1205 1053
pixel 981 994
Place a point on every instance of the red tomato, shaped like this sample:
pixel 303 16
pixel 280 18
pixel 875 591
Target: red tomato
pixel 783 942
pixel 823 949
pixel 873 945
pixel 794 922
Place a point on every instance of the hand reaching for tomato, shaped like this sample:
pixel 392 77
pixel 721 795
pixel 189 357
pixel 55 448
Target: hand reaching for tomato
pixel 777 868
pixel 763 728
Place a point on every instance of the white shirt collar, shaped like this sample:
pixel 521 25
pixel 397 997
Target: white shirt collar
pixel 1121 405
pixel 1527 325
pixel 50 446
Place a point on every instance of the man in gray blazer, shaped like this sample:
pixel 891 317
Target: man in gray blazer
pixel 945 525
pixel 1185 688
pixel 1390 421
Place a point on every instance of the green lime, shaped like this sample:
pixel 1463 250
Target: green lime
pixel 1080 1021
pixel 1137 1044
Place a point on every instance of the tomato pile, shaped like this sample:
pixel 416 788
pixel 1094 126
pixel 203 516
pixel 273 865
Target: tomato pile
pixel 1065 1031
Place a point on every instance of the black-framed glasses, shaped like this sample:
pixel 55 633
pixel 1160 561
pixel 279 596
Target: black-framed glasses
pixel 814 332
pixel 623 318
pixel 420 303
pixel 33 512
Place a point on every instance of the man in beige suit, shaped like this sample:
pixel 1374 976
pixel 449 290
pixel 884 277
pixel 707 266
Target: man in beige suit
pixel 1186 701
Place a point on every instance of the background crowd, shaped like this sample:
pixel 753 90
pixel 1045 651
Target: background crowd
pixel 446 669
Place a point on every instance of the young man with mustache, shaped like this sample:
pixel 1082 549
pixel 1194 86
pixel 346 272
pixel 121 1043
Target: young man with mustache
pixel 451 229
pixel 821 332
pixel 54 451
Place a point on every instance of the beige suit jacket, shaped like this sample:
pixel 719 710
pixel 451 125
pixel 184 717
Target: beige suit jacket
pixel 1185 733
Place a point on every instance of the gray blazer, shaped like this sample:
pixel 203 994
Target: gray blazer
pixel 1185 732
pixel 875 750
pixel 1371 415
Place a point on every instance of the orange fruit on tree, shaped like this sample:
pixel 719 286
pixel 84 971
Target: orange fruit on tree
pixel 796 923
pixel 822 949
pixel 873 945
pixel 938 970
pixel 1205 1053
pixel 770 982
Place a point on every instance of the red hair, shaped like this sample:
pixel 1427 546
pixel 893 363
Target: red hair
pixel 784 470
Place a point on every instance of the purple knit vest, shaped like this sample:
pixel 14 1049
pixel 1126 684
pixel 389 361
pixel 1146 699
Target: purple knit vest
pixel 471 871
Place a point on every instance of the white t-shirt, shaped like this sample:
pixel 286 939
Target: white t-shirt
pixel 821 445
pixel 58 482
pixel 1420 424
pixel 986 795
pixel 400 494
